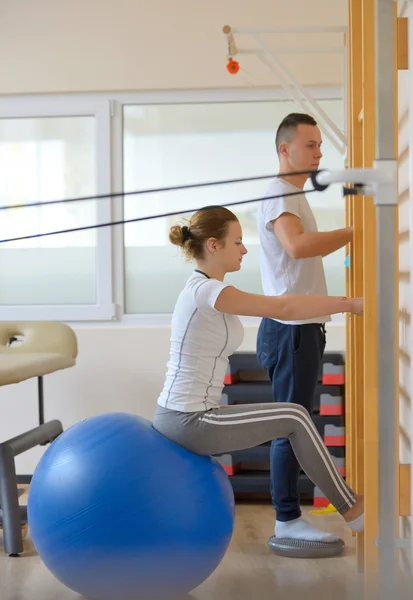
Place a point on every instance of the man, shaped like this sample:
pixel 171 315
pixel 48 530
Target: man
pixel 291 263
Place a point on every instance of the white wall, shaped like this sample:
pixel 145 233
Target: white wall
pixel 99 45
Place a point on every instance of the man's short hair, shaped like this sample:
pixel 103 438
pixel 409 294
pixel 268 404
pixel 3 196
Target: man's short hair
pixel 288 127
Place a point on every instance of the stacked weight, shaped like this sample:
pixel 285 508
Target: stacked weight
pixel 247 383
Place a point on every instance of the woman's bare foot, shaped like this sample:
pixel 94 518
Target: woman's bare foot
pixel 355 516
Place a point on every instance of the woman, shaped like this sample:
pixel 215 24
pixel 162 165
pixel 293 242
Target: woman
pixel 206 331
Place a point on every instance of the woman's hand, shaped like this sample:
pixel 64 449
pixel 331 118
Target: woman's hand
pixel 356 306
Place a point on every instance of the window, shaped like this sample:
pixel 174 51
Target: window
pixel 83 146
pixel 59 154
pixel 175 144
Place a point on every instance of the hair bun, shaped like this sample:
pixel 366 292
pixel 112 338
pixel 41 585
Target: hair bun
pixel 176 235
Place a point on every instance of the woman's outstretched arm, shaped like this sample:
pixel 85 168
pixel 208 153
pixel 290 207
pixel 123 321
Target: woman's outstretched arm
pixel 289 307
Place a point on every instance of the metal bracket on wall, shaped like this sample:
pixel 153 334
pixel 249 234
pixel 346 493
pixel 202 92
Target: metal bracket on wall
pixel 299 93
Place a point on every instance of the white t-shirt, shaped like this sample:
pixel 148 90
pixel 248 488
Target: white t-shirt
pixel 202 339
pixel 281 274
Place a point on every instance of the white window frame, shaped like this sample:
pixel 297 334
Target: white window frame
pixel 104 308
pixel 107 107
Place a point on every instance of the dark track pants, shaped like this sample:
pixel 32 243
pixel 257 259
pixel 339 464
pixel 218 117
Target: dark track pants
pixel 291 354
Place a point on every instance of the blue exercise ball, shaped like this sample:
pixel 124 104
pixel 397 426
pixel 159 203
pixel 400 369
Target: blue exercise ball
pixel 117 511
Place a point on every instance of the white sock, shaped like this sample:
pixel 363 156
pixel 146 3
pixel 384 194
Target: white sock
pixel 299 529
pixel 358 524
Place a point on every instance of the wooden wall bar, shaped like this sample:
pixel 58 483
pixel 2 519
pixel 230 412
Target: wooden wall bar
pixel 355 338
pixel 370 295
pixel 361 335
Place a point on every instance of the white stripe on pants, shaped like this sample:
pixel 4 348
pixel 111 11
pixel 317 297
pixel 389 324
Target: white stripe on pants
pixel 237 427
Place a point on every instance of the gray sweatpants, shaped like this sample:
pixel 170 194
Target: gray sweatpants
pixel 238 427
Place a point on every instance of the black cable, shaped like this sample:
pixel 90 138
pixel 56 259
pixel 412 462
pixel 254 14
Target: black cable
pixel 169 214
pixel 156 190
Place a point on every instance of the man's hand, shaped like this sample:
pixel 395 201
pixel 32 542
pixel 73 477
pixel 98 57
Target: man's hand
pixel 302 244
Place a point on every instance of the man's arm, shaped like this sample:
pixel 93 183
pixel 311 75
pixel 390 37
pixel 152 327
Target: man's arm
pixel 305 244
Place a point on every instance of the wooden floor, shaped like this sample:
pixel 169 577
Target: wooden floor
pixel 249 571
